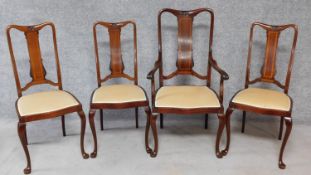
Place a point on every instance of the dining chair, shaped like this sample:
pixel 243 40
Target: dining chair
pixel 187 99
pixel 265 100
pixel 116 96
pixel 45 104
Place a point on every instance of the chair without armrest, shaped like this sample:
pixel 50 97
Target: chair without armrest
pixel 117 96
pixel 266 101
pixel 41 105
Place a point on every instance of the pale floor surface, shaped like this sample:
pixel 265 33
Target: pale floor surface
pixel 185 149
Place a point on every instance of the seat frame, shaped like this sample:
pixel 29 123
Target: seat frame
pixel 116 71
pixel 38 73
pixel 268 72
pixel 185 65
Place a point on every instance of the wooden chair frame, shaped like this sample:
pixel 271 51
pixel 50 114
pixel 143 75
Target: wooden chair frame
pixel 37 72
pixel 184 65
pixel 268 72
pixel 116 68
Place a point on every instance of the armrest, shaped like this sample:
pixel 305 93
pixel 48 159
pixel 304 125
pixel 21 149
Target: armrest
pixel 153 70
pixel 150 76
pixel 223 76
pixel 222 73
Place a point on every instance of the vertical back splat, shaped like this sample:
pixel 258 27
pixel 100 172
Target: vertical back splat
pixel 116 62
pixel 185 60
pixel 37 70
pixel 268 70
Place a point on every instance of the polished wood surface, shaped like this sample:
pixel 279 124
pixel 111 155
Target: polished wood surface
pixel 38 75
pixel 116 68
pixel 268 72
pixel 185 64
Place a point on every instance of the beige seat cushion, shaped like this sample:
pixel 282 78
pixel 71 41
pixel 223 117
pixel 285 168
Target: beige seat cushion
pixel 118 93
pixel 263 98
pixel 43 102
pixel 186 97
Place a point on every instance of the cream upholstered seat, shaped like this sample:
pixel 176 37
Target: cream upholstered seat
pixel 186 97
pixel 263 98
pixel 43 102
pixel 118 93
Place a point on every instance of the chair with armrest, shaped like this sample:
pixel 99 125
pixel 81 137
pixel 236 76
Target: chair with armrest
pixel 187 99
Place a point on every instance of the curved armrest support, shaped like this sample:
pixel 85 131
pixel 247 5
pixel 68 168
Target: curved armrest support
pixel 223 76
pixel 150 76
pixel 153 70
pixel 222 73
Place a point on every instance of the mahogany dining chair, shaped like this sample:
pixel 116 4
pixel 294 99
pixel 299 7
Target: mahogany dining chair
pixel 187 99
pixel 45 104
pixel 116 96
pixel 263 100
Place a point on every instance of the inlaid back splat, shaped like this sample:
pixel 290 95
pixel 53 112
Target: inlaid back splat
pixel 37 70
pixel 268 69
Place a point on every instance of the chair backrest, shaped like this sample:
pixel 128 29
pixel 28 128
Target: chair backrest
pixel 268 69
pixel 184 61
pixel 116 62
pixel 37 69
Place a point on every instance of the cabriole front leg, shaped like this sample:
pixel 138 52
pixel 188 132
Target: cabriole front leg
pixel 148 149
pixel 92 124
pixel 281 128
pixel 221 126
pixel 83 122
pixel 288 123
pixel 151 122
pixel 21 129
pixel 228 114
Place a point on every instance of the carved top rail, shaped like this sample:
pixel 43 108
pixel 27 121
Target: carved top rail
pixel 37 69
